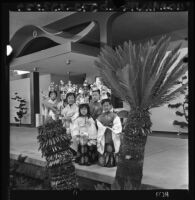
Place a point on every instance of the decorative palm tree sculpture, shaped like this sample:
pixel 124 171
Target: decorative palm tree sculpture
pixel 142 76
pixel 54 144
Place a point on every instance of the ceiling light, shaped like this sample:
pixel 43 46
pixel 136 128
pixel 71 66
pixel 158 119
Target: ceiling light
pixel 19 72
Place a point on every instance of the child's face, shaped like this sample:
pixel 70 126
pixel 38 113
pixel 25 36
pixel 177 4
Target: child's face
pixel 63 96
pixel 83 111
pixel 95 96
pixel 70 99
pixel 85 90
pixel 53 96
pixel 107 107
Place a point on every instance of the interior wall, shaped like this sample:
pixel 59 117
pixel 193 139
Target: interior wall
pixel 22 87
pixel 44 81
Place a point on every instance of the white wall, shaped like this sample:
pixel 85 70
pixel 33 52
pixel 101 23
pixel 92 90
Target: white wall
pixel 162 117
pixel 22 87
pixel 44 81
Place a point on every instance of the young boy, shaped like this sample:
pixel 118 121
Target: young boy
pixel 108 136
pixel 95 105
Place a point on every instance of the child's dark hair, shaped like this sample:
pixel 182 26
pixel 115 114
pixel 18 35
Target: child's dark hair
pixel 85 105
pixel 50 92
pixel 96 91
pixel 70 94
pixel 86 86
pixel 106 100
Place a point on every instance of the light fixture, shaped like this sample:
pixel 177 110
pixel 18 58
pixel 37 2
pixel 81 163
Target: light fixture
pixel 19 72
pixel 9 50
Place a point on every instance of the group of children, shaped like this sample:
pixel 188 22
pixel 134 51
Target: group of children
pixel 89 119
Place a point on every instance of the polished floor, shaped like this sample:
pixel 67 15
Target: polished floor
pixel 165 163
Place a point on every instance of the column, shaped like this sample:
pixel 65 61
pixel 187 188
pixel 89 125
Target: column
pixel 34 96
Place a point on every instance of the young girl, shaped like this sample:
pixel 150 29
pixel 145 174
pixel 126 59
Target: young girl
pixel 62 104
pixel 70 112
pixel 108 138
pixel 85 135
pixel 49 106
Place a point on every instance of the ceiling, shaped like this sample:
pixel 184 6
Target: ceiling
pixel 79 63
pixel 19 19
pixel 139 25
pixel 135 26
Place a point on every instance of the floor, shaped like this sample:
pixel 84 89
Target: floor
pixel 165 163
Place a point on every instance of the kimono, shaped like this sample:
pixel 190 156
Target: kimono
pixel 61 105
pixel 48 112
pixel 85 135
pixel 71 111
pixel 95 109
pixel 108 138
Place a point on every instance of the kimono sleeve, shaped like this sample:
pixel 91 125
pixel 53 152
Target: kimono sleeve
pixel 92 130
pixel 117 127
pixel 75 128
pixel 116 130
pixel 100 137
pixel 76 114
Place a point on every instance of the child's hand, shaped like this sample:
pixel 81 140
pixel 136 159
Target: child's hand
pixel 78 138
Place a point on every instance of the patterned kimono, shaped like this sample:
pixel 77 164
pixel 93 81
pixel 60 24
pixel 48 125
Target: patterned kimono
pixel 85 135
pixel 61 105
pixel 108 138
pixel 71 111
pixel 48 112
pixel 95 109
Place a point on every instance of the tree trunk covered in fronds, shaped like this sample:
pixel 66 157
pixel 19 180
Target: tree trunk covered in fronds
pixel 55 147
pixel 144 77
pixel 131 155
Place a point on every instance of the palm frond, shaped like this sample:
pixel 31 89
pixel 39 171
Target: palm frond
pixel 112 82
pixel 142 75
pixel 161 100
pixel 158 81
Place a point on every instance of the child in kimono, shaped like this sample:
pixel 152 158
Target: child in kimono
pixel 85 135
pixel 95 105
pixel 108 138
pixel 70 113
pixel 49 106
pixel 62 104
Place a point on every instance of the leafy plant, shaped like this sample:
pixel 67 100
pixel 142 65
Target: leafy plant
pixel 183 106
pixel 21 108
pixel 143 76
